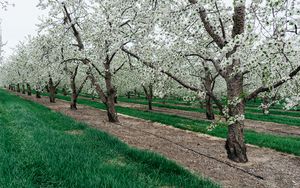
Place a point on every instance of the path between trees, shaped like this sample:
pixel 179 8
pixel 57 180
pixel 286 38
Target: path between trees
pixel 200 153
pixel 258 126
pixel 278 110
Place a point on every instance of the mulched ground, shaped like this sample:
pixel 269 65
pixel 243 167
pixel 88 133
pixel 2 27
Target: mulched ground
pixel 204 155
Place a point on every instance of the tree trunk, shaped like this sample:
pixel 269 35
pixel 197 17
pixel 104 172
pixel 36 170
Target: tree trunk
pixel 52 94
pixel 235 145
pixel 110 97
pixel 52 90
pixel 209 108
pixel 149 95
pixel 18 88
pixel 128 94
pixel 47 88
pixel 201 104
pixel 135 92
pixel 23 89
pixel 209 86
pixel 111 110
pixel 38 94
pixel 28 90
pixel 73 104
pixel 150 103
pixel 64 91
pixel 265 106
pixel 74 96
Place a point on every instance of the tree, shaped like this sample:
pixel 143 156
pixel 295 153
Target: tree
pixel 234 53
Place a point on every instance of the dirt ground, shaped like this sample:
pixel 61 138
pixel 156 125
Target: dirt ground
pixel 202 154
pixel 258 126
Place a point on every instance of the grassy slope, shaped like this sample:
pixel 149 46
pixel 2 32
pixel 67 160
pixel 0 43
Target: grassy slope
pixel 279 143
pixel 35 151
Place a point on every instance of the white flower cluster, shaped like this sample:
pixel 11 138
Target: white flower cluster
pixel 235 119
pixel 292 102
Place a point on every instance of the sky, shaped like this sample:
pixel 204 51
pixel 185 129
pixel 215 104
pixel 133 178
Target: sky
pixel 18 22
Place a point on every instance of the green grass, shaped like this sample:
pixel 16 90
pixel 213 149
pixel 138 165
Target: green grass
pixel 157 100
pixel 280 143
pixel 249 115
pixel 275 112
pixel 36 151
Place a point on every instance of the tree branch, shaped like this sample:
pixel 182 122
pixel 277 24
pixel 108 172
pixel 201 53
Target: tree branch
pixel 274 86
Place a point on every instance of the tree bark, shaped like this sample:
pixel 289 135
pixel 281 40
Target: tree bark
pixel 47 87
pixel 209 108
pixel 149 95
pixel 128 95
pixel 38 94
pixel 209 86
pixel 23 89
pixel 111 110
pixel 29 92
pixel 74 95
pixel 18 88
pixel 52 95
pixel 73 105
pixel 266 107
pixel 235 145
pixel 110 97
pixel 52 90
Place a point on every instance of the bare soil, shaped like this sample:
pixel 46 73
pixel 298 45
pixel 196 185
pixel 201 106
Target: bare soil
pixel 258 126
pixel 202 154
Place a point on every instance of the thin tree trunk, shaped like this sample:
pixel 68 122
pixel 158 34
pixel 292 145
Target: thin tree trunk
pixel 18 88
pixel 52 90
pixel 52 94
pixel 128 94
pixel 209 86
pixel 265 106
pixel 38 94
pixel 150 103
pixel 235 145
pixel 47 88
pixel 149 95
pixel 29 90
pixel 209 108
pixel 23 89
pixel 74 95
pixel 201 104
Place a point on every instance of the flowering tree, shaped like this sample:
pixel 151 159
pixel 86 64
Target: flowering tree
pixel 234 49
pixel 245 49
pixel 99 33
